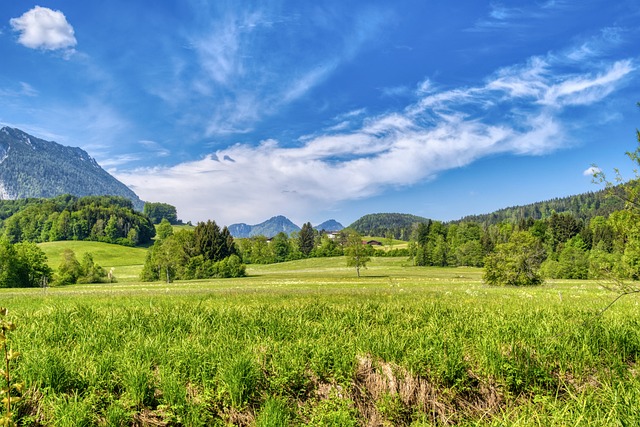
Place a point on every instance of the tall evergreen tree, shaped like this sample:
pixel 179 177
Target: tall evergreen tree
pixel 306 239
pixel 210 242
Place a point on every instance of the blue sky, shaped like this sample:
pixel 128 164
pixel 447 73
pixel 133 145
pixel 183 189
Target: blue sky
pixel 239 111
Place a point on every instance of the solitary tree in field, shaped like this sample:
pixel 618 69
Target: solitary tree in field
pixel 358 254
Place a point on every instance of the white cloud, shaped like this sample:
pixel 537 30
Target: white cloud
pixel 582 90
pixel 517 111
pixel 44 28
pixel 591 171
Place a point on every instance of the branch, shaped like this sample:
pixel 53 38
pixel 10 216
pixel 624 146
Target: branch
pixel 634 291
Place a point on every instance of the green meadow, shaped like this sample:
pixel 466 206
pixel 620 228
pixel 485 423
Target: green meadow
pixel 308 343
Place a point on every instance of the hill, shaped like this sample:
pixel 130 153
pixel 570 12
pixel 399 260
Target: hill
pixel 380 224
pixel 581 206
pixel 126 262
pixel 32 167
pixel 268 228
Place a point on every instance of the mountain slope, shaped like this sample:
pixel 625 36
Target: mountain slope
pixel 330 225
pixel 268 228
pixel 32 167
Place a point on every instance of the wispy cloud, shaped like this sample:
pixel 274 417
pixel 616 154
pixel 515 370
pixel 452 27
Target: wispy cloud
pixel 23 89
pixel 597 45
pixel 518 110
pixel 501 17
pixel 227 79
pixel 44 28
pixel 154 147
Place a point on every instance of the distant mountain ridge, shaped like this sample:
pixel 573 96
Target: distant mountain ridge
pixel 268 228
pixel 33 167
pixel 275 225
pixel 330 225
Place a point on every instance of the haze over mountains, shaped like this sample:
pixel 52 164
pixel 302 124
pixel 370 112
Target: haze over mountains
pixel 32 167
pixel 275 225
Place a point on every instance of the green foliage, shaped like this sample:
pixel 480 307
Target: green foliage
pixel 107 219
pixel 398 225
pixel 22 265
pixel 239 376
pixel 72 271
pixel 164 229
pixel 273 413
pixel 202 253
pixel 69 270
pixel 582 207
pixel 33 270
pixel 515 263
pixel 281 247
pixel 358 254
pixel 291 343
pixel 327 247
pixel 159 211
pixel 211 242
pixel 10 388
pixel 306 239
pixel 335 411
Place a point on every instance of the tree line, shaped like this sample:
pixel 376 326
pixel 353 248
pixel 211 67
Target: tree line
pixel 110 219
pixel 25 265
pixel 204 252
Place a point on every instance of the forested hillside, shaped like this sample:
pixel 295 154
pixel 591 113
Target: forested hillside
pixel 398 225
pixel 110 219
pixel 582 206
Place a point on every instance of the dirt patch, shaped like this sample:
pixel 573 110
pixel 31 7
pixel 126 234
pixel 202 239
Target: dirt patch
pixel 386 393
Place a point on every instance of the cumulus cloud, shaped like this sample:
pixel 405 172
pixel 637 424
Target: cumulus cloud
pixel 590 171
pixel 44 28
pixel 518 111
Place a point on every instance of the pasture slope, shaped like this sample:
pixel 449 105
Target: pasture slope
pixel 126 262
pixel 308 343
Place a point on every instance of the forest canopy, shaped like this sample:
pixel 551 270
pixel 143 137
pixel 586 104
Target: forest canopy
pixel 109 219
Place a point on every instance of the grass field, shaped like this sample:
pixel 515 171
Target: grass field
pixel 126 262
pixel 308 343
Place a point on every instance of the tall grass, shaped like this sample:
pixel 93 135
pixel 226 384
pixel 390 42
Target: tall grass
pixel 307 343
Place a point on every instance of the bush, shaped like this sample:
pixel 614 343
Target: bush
pixel 516 262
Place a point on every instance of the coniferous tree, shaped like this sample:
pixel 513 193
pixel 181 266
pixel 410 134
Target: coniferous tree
pixel 207 237
pixel 306 239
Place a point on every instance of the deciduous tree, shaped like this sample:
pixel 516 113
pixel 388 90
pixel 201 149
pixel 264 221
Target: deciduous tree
pixel 516 262
pixel 358 254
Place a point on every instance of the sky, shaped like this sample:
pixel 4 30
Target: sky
pixel 240 111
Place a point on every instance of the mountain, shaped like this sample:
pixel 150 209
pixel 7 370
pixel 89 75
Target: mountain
pixel 32 167
pixel 269 228
pixel 379 224
pixel 330 225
